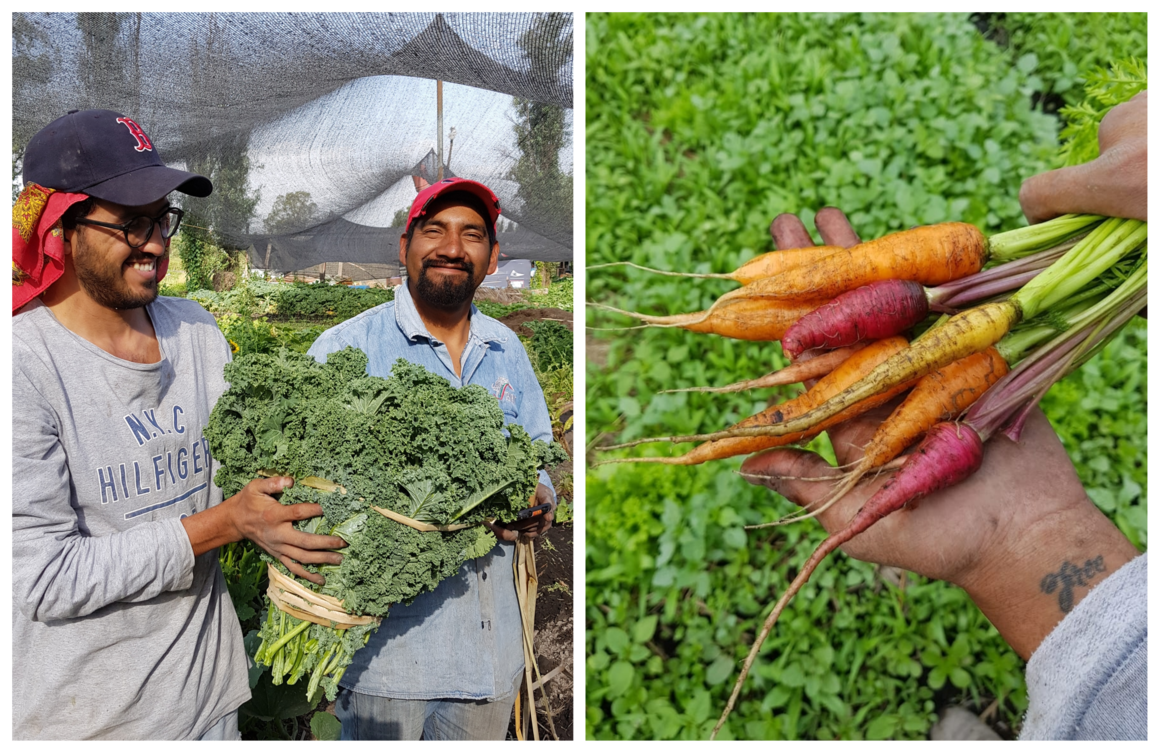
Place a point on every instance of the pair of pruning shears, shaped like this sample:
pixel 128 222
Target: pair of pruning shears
pixel 533 512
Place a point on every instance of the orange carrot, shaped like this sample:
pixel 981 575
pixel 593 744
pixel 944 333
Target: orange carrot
pixel 931 255
pixel 939 396
pixel 814 367
pixel 765 265
pixel 845 374
pixel 763 320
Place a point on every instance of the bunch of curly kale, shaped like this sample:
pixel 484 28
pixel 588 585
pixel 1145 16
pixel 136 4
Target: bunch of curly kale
pixel 410 443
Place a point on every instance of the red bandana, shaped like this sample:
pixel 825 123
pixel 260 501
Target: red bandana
pixel 38 241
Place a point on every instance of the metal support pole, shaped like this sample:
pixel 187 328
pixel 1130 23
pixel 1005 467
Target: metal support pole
pixel 439 96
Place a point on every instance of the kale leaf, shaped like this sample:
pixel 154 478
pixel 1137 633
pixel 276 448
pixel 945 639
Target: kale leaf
pixel 410 443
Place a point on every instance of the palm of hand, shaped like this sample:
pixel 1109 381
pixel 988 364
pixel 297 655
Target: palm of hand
pixel 950 534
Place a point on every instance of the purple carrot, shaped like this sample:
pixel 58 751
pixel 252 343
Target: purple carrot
pixel 871 312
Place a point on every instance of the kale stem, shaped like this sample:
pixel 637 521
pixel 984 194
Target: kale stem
pixel 291 635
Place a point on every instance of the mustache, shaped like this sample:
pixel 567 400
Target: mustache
pixel 464 265
pixel 147 257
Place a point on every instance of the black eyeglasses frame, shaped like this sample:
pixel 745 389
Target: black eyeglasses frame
pixel 153 222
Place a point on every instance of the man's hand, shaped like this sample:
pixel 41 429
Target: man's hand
pixel 1115 184
pixel 532 527
pixel 1001 534
pixel 259 517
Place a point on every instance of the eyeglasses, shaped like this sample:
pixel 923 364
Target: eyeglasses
pixel 139 230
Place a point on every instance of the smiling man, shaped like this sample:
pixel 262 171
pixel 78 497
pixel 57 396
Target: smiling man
pixel 122 622
pixel 448 665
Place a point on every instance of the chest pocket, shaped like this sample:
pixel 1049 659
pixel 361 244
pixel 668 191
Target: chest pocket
pixel 508 398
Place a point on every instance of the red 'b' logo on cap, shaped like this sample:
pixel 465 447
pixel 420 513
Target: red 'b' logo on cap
pixel 142 140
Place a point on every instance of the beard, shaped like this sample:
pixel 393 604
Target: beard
pixel 448 294
pixel 104 280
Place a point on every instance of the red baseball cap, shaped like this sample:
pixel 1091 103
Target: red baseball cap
pixel 447 185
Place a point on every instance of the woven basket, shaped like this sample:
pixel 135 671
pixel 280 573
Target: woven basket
pixel 298 601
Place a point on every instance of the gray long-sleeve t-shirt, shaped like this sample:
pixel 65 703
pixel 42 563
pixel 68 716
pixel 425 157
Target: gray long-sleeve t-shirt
pixel 1088 680
pixel 118 630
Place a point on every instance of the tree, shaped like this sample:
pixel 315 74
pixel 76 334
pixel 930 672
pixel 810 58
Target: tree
pixel 400 219
pixel 546 191
pixel 219 150
pixel 292 213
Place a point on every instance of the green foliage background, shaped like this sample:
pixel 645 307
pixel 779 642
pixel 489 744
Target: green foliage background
pixel 700 130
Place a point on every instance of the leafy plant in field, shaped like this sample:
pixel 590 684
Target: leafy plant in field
pixel 247 335
pixel 1059 49
pixel 322 301
pixel 1101 412
pixel 295 301
pixel 551 345
pixel 245 575
pixel 174 289
pixel 558 296
pixel 500 310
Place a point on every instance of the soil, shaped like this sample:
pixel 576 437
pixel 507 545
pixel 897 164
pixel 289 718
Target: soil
pixel 554 623
pixel 516 319
pixel 554 617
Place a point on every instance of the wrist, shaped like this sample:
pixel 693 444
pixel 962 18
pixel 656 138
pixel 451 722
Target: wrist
pixel 212 528
pixel 230 519
pixel 1030 581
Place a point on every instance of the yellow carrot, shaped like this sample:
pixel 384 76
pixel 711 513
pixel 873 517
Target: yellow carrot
pixel 969 332
pixel 845 374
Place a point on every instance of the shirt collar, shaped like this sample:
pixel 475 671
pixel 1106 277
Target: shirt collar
pixel 482 328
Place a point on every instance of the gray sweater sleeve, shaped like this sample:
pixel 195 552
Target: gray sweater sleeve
pixel 122 632
pixel 1088 680
pixel 58 572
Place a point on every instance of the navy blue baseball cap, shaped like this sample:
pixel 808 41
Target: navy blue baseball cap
pixel 107 155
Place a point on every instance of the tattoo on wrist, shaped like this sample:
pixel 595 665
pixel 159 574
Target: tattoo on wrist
pixel 1068 577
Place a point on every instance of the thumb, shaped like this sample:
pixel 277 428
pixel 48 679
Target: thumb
pixel 1101 186
pixel 787 472
pixel 1048 194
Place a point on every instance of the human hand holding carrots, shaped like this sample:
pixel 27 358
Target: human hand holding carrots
pixel 1113 185
pixel 998 534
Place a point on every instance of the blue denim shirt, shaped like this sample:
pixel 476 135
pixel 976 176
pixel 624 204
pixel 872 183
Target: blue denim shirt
pixel 463 639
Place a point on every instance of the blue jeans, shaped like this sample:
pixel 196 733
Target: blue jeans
pixel 368 717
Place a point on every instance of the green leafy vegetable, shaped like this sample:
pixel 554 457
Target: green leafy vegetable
pixel 551 345
pixel 410 443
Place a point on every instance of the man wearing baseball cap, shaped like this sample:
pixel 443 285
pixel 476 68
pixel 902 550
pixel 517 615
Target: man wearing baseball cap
pixel 447 666
pixel 122 623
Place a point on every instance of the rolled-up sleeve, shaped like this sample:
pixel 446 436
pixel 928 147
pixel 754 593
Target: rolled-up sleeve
pixel 1088 680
